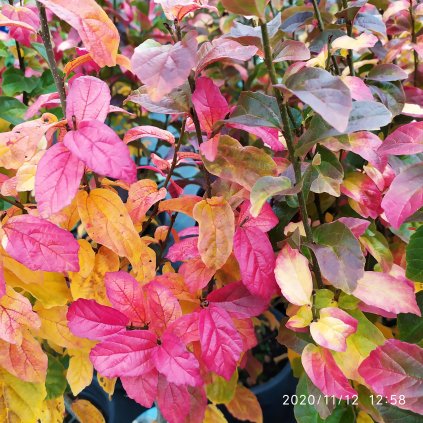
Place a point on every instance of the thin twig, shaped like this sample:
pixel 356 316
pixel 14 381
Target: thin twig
pixel 13 203
pixel 414 40
pixel 46 37
pixel 349 33
pixel 291 150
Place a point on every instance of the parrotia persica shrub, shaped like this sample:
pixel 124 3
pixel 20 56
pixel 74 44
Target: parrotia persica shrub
pixel 288 134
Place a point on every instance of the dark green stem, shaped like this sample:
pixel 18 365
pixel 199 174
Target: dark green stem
pixel 414 40
pixel 349 33
pixel 46 37
pixel 291 149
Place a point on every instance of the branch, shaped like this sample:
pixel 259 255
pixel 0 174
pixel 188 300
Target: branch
pixel 349 33
pixel 291 151
pixel 13 203
pixel 414 40
pixel 46 36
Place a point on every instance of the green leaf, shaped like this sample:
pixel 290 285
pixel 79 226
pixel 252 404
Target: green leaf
pixel 339 255
pixel 256 109
pixel 56 378
pixel 377 245
pixel 414 256
pixel 391 414
pixel 410 326
pixel 327 175
pixel 365 116
pixel 41 50
pixel 14 82
pixel 323 298
pixel 12 110
pixel 222 391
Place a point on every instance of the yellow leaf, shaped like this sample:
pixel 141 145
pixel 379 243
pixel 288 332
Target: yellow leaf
pixel 86 257
pixel 182 204
pixel 220 390
pixel 68 217
pixel 108 384
pixel 92 287
pixel 213 415
pixel 23 400
pixel 364 418
pixel 108 223
pixel 216 234
pixel 245 405
pixel 87 412
pixel 54 328
pixel 53 411
pixel 80 371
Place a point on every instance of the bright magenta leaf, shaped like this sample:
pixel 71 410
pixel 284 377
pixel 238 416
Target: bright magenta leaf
pixel 148 131
pixel 57 180
pixel 88 319
pixel 323 371
pixel 265 220
pixel 221 344
pixel 395 370
pixel 40 244
pixel 98 146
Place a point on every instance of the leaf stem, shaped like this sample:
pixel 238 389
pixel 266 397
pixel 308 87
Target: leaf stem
pixel 349 33
pixel 414 41
pixel 291 150
pixel 46 37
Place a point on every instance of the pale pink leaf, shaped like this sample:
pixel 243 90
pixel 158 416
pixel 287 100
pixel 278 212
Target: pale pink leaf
pixel 57 180
pixel 91 320
pixel 209 103
pixel 88 99
pixel 127 296
pixel 24 15
pixel 237 301
pixel 148 131
pixel 404 196
pixel 40 244
pixel 142 389
pixel 394 370
pixel 357 43
pixel 293 276
pixel 173 360
pixel 359 90
pixel 333 328
pixel 102 150
pixel 256 259
pixel 387 292
pixel 291 50
pixel 407 139
pixel 221 344
pixel 323 371
pixel 196 274
pixel 164 67
pixel 355 225
pixel 43 100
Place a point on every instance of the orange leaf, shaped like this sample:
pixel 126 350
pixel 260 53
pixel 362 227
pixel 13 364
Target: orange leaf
pixel 183 205
pixel 245 406
pixel 216 221
pixel 97 31
pixel 73 64
pixel 87 412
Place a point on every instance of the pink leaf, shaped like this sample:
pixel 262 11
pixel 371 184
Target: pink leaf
pixel 292 50
pixel 164 67
pixel 185 249
pixel 102 150
pixel 245 328
pixel 127 296
pixel 44 100
pixel 209 103
pixel 142 389
pixel 186 328
pixel 148 131
pixel 265 221
pixel 198 404
pixel 355 225
pixel 196 274
pixel 221 50
pixel 173 360
pixel 91 320
pixel 125 354
pixel 407 139
pixel 57 180
pixel 404 196
pixel 255 256
pixel 321 368
pixel 88 99
pixel 388 292
pixel 173 401
pixel 359 90
pixel 23 15
pixel 2 280
pixel 237 301
pixel 333 328
pixel 221 344
pixel 393 370
pixel 163 306
pixel 40 244
pixel 209 148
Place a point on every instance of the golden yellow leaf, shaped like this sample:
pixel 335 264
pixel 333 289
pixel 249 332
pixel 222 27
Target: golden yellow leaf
pixel 108 384
pixel 92 287
pixel 216 221
pixel 23 400
pixel 86 412
pixel 80 371
pixel 364 418
pixel 53 411
pixel 107 222
pixel 245 406
pixel 182 204
pixel 68 217
pixel 213 415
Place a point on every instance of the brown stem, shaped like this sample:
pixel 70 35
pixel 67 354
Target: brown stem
pixel 46 37
pixel 13 203
pixel 291 150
